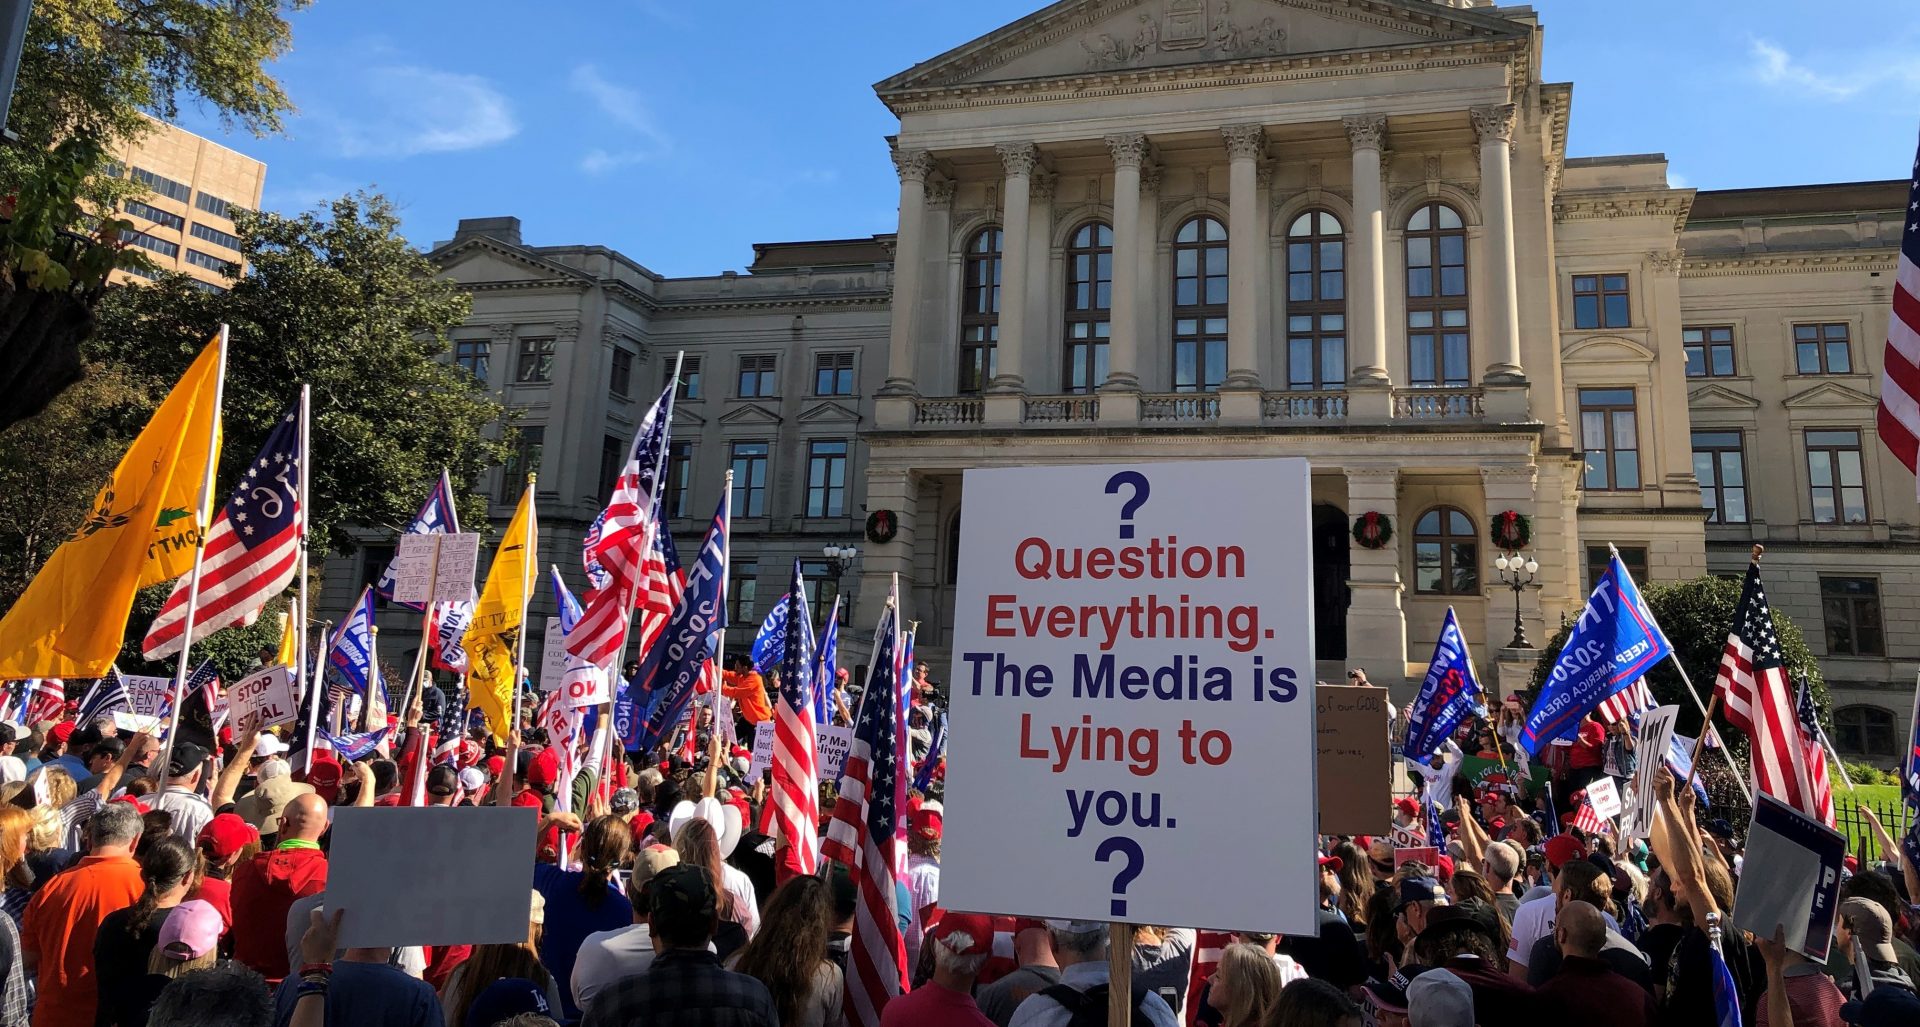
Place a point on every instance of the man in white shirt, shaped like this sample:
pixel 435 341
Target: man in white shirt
pixel 607 956
pixel 1081 948
pixel 182 795
pixel 12 768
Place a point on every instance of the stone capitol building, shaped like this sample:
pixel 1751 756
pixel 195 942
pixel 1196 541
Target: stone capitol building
pixel 1344 230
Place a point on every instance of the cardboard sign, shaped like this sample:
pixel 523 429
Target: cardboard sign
pixel 431 875
pixel 1800 889
pixel 136 723
pixel 1424 854
pixel 1353 767
pixel 1131 651
pixel 419 578
pixel 829 751
pixel 553 657
pixel 148 696
pixel 585 685
pixel 1656 735
pixel 263 699
pixel 1605 797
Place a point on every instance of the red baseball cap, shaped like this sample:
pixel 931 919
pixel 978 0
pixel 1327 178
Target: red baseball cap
pixel 977 929
pixel 1407 806
pixel 1335 862
pixel 131 801
pixel 543 769
pixel 227 834
pixel 1446 866
pixel 927 823
pixel 1563 849
pixel 61 731
pixel 496 764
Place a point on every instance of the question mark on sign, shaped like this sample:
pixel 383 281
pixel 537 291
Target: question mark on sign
pixel 1121 880
pixel 1139 497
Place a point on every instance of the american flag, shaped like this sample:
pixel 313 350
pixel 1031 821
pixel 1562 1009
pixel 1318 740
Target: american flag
pixel 447 622
pixel 45 699
pixel 1752 684
pixel 617 543
pixel 1588 819
pixel 865 833
pixel 106 696
pixel 796 779
pixel 1626 704
pixel 1436 832
pixel 1899 415
pixel 251 551
pixel 1807 722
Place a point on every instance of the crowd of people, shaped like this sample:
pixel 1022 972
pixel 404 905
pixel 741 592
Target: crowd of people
pixel 194 892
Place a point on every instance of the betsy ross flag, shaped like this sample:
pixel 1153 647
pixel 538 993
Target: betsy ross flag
pixel 796 778
pixel 1899 414
pixel 619 543
pixel 447 622
pixel 252 550
pixel 865 833
pixel 1788 763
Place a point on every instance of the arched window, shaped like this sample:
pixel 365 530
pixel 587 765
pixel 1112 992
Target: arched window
pixel 1316 302
pixel 1437 351
pixel 1199 305
pixel 1089 307
pixel 1446 553
pixel 1866 730
pixel 980 310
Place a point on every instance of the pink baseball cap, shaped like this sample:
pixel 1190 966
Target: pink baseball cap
pixel 191 931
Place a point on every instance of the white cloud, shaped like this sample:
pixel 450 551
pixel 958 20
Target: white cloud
pixel 409 110
pixel 1774 66
pixel 639 141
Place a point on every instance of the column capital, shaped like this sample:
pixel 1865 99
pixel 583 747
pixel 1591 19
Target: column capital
pixel 912 165
pixel 501 332
pixel 1508 474
pixel 1043 185
pixel 1018 158
pixel 1150 173
pixel 1245 142
pixel 1666 262
pixel 1365 131
pixel 1128 149
pixel 940 192
pixel 1375 477
pixel 1493 123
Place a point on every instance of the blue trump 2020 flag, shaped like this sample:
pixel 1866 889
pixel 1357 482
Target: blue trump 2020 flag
pixel 1614 643
pixel 677 659
pixel 1448 694
pixel 350 665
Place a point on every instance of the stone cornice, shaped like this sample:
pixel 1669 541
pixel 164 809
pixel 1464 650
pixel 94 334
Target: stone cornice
pixel 874 300
pixel 1638 204
pixel 1777 263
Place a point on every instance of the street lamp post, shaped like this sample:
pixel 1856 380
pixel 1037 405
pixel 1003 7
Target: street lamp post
pixel 1516 572
pixel 839 561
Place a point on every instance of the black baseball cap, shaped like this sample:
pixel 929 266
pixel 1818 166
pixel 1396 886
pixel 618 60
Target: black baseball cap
pixel 187 757
pixel 443 780
pixel 682 890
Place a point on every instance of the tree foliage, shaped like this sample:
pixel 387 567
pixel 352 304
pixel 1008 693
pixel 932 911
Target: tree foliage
pixel 1695 616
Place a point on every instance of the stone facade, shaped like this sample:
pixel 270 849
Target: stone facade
pixel 1192 229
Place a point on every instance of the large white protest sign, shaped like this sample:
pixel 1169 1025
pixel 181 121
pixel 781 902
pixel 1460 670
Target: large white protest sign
pixel 553 657
pixel 829 751
pixel 419 576
pixel 1800 888
pixel 148 696
pixel 585 685
pixel 1605 797
pixel 263 700
pixel 1133 649
pixel 1656 733
pixel 431 875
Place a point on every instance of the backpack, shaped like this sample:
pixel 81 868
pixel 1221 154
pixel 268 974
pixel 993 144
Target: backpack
pixel 1089 1008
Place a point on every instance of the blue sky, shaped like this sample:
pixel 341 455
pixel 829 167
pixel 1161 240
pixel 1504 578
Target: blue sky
pixel 681 137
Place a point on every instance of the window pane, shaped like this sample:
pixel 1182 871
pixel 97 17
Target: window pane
pixel 1617 312
pixel 1586 312
pixel 1838 362
pixel 1596 472
pixel 1466 569
pixel 1734 501
pixel 1626 470
pixel 1696 362
pixel 1426 567
pixel 1623 430
pixel 1458 524
pixel 1808 357
pixel 1723 360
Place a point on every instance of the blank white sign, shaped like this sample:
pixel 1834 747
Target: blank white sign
pixel 431 875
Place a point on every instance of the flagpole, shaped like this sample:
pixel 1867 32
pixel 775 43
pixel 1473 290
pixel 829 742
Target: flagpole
pixel 719 652
pixel 306 515
pixel 199 550
pixel 527 565
pixel 313 700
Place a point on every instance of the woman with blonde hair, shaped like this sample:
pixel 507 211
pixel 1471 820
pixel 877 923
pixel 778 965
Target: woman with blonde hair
pixel 1245 986
pixel 789 955
pixel 490 963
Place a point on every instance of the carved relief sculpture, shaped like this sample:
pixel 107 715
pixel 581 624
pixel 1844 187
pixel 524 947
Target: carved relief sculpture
pixel 1181 26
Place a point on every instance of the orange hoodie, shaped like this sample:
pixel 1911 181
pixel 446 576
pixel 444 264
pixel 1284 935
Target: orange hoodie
pixel 749 693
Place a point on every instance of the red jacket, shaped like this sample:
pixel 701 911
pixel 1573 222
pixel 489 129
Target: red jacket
pixel 263 890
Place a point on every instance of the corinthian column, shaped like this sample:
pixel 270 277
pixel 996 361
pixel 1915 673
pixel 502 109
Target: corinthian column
pixel 1367 288
pixel 1246 254
pixel 1494 125
pixel 1019 159
pixel 913 167
pixel 1123 347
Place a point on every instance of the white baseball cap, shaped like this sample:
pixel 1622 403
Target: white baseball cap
pixel 269 745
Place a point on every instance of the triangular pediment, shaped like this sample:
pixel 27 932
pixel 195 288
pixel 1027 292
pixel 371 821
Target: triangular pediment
pixel 750 414
pixel 830 413
pixel 1719 397
pixel 1828 395
pixel 1080 37
pixel 684 416
pixel 483 260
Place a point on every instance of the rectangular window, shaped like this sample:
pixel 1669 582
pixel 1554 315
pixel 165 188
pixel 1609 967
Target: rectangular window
pixel 214 205
pixel 679 478
pixel 1720 465
pixel 1600 301
pixel 749 461
pixel 154 214
pixel 757 376
pixel 821 589
pixel 163 185
pixel 833 374
pixel 1635 557
pixel 1709 351
pixel 523 460
pixel 473 355
pixel 1851 607
pixel 689 378
pixel 1837 477
pixel 742 584
pixel 1609 433
pixel 613 456
pixel 1822 349
pixel 536 361
pixel 148 242
pixel 216 236
pixel 827 478
pixel 373 563
pixel 212 263
pixel 620 380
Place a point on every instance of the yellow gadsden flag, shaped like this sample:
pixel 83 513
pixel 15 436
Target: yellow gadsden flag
pixel 179 528
pixel 71 620
pixel 493 640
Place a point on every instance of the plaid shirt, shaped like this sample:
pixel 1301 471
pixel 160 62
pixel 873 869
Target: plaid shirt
pixel 13 978
pixel 683 987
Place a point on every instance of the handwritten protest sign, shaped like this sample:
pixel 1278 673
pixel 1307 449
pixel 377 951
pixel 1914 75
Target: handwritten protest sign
pixel 148 696
pixel 553 657
pixel 419 576
pixel 1126 663
pixel 263 700
pixel 388 868
pixel 1356 783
